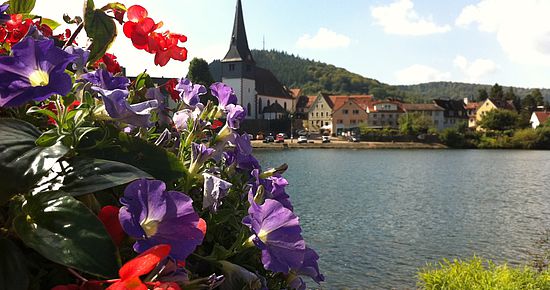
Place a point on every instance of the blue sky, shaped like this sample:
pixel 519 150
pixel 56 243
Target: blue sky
pixel 394 41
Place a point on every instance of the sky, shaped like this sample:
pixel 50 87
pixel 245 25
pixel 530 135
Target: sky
pixel 393 41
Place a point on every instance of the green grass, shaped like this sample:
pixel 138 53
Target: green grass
pixel 479 274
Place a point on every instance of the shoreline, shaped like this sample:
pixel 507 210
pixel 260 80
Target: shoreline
pixel 335 144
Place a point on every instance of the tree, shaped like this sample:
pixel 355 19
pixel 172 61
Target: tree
pixel 499 120
pixel 414 123
pixel 496 92
pixel 199 73
pixel 482 95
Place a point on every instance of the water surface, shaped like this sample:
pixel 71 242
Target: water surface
pixel 377 216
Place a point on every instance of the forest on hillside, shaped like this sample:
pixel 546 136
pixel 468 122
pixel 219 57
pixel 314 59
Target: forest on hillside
pixel 314 76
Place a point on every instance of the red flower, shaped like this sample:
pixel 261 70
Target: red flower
pixel 110 62
pixel 139 26
pixel 141 30
pixel 140 265
pixel 17 28
pixel 202 226
pixel 165 46
pixel 216 124
pixel 45 29
pixel 170 87
pixel 109 217
pixel 166 286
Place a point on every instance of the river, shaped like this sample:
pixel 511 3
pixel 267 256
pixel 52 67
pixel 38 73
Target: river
pixel 376 216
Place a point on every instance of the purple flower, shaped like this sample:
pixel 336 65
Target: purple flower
pixel 101 79
pixel 235 115
pixel 189 92
pixel 34 72
pixel 224 93
pixel 310 267
pixel 181 118
pixel 79 63
pixel 274 188
pixel 4 17
pixel 277 233
pixel 118 108
pixel 162 109
pixel 154 216
pixel 200 153
pixel 215 189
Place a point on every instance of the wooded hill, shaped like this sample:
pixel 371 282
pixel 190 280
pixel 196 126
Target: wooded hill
pixel 314 76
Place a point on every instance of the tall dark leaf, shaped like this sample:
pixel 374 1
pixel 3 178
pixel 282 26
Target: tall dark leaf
pixel 152 159
pixel 21 6
pixel 65 231
pixel 13 272
pixel 100 28
pixel 86 175
pixel 22 163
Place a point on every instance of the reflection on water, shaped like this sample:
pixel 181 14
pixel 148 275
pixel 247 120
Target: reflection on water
pixel 376 216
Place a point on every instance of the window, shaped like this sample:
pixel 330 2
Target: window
pixel 355 112
pixel 326 123
pixel 321 114
pixel 231 67
pixel 316 114
pixel 345 112
pixel 390 123
pixel 353 121
pixel 260 105
pixel 340 121
pixel 248 109
pixel 374 123
pixel 390 116
pixel 374 116
pixel 382 116
pixel 268 103
pixel 285 105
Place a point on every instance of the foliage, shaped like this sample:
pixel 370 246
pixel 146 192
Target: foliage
pixel 313 76
pixel 478 274
pixel 199 73
pixel 414 123
pixel 499 120
pixel 107 184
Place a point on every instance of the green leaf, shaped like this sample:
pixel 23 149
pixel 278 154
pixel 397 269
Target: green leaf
pixel 154 160
pixel 20 6
pixel 143 80
pixel 63 230
pixel 51 23
pixel 44 112
pixel 86 175
pixel 114 6
pixel 48 138
pixel 101 29
pixel 13 272
pixel 22 163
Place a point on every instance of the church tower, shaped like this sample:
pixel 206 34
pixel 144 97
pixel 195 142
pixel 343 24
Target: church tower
pixel 239 67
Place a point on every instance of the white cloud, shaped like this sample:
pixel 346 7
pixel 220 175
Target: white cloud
pixel 475 70
pixel 417 73
pixel 521 27
pixel 400 18
pixel 324 38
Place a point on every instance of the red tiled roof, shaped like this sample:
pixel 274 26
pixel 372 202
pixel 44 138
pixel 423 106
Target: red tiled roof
pixel 472 106
pixel 310 100
pixel 399 105
pixel 361 100
pixel 542 116
pixel 295 92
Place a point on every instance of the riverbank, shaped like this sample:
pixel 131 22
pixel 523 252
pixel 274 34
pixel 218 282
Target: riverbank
pixel 337 144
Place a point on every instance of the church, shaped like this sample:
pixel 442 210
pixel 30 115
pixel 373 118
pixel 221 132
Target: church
pixel 257 89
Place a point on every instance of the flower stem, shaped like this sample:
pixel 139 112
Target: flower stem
pixel 75 34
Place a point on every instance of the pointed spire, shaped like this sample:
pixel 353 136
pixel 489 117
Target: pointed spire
pixel 238 49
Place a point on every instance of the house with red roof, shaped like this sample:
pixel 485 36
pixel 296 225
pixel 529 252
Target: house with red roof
pixel 349 112
pixel 384 114
pixel 539 118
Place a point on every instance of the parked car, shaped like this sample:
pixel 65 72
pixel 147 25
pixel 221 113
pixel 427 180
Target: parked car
pixel 269 139
pixel 353 139
pixel 302 139
pixel 280 138
pixel 326 139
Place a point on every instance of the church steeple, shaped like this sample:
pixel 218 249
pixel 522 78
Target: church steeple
pixel 238 49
